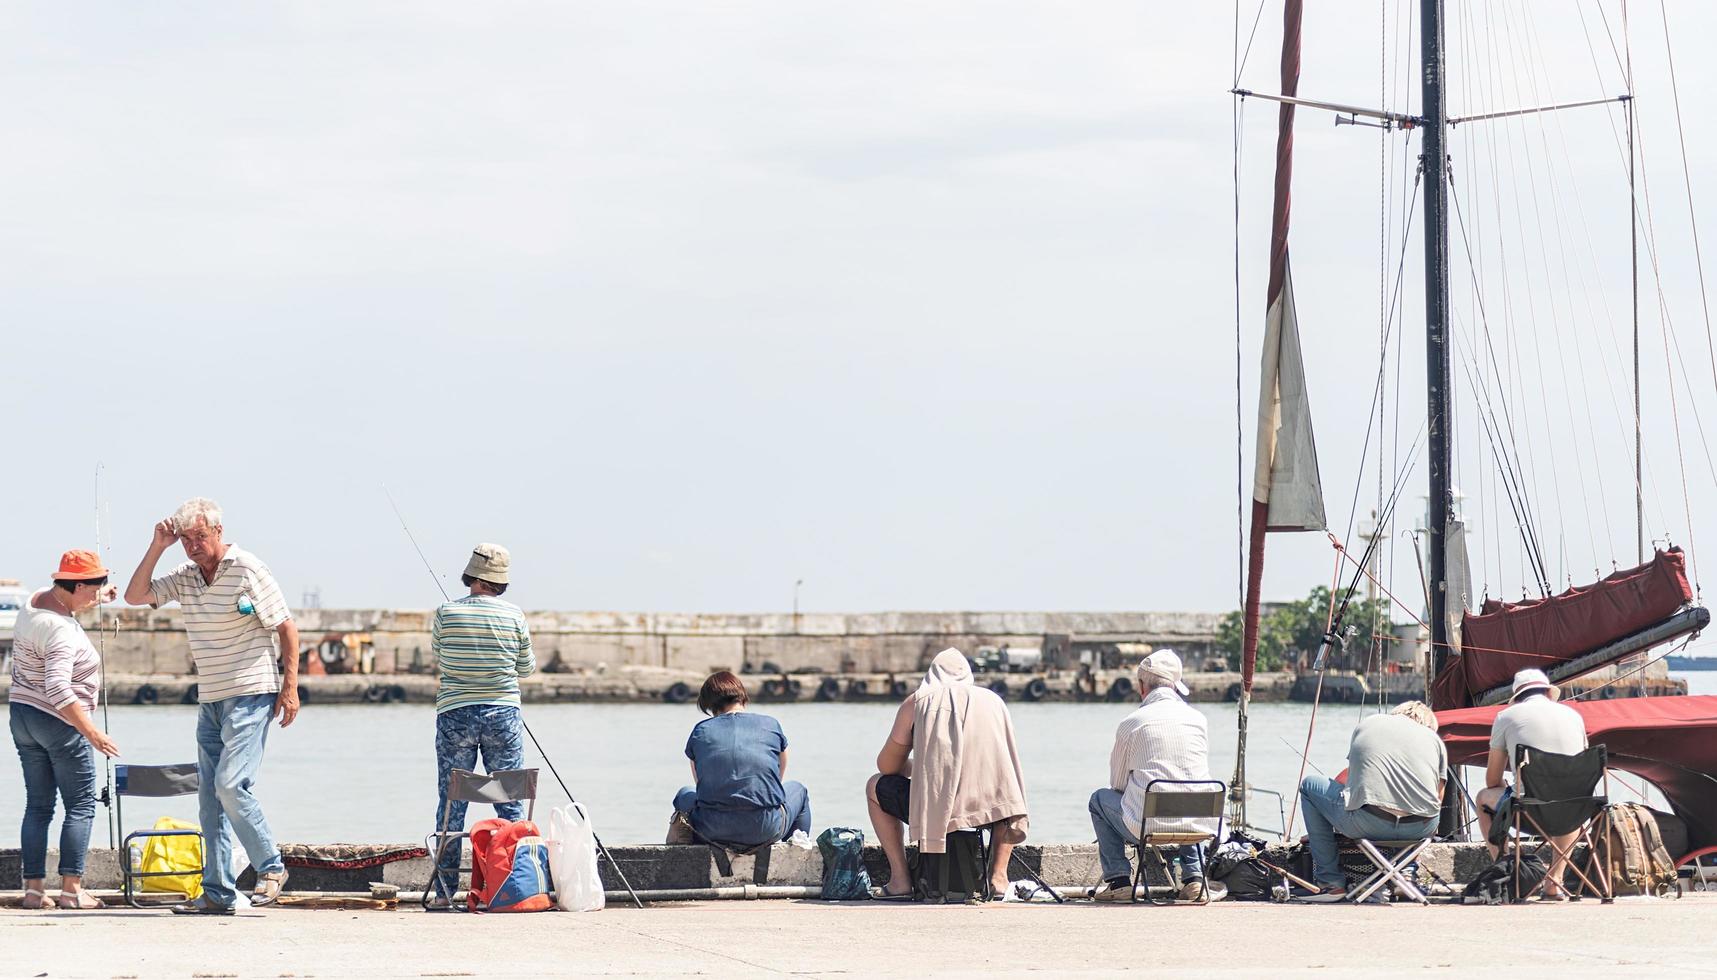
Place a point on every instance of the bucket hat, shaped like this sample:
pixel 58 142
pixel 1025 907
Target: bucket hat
pixel 1527 681
pixel 78 565
pixel 490 563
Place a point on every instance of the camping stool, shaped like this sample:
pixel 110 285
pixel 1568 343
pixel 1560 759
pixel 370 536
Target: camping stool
pixel 179 779
pixel 464 786
pixel 1390 860
pixel 1554 795
pixel 1180 806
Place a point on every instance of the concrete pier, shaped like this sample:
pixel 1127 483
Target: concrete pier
pixel 870 939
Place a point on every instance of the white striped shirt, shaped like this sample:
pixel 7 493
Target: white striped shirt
pixel 236 653
pixel 53 661
pixel 1165 738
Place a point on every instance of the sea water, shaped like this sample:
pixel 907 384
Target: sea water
pixel 366 773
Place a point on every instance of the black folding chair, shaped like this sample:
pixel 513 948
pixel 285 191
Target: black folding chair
pixel 151 781
pixel 1555 795
pixel 1180 806
pixel 505 786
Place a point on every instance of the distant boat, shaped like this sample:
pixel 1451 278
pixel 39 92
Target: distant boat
pixel 1692 663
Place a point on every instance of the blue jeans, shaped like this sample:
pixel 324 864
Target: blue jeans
pixel 1113 838
pixel 497 733
pixel 749 826
pixel 1323 804
pixel 231 734
pixel 55 757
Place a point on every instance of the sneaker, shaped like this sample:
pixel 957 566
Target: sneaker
pixel 268 887
pixel 438 903
pixel 1111 891
pixel 1192 891
pixel 203 906
pixel 1328 896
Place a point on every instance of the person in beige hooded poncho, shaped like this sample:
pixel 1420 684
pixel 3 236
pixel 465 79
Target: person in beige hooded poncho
pixel 949 764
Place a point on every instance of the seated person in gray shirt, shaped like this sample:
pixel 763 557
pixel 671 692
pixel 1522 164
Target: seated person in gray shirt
pixel 1395 767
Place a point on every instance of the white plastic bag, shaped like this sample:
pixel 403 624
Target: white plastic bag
pixel 572 859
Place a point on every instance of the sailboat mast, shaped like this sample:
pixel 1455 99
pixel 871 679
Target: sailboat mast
pixel 1439 414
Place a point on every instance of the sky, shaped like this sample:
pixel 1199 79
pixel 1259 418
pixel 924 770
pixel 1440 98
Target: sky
pixel 923 306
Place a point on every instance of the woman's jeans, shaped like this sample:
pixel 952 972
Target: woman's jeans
pixel 55 757
pixel 1323 802
pixel 231 734
pixel 1113 839
pixel 748 826
pixel 496 731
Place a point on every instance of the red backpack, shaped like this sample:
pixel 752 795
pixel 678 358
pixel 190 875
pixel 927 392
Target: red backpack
pixel 509 867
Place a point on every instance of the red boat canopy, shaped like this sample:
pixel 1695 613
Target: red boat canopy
pixel 1671 741
pixel 1504 637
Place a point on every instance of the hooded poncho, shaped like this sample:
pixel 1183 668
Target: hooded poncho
pixel 965 769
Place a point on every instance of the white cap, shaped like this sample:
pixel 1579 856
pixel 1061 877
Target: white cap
pixel 1161 669
pixel 1528 680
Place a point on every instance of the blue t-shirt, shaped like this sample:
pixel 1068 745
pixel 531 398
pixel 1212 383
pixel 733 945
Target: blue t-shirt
pixel 738 756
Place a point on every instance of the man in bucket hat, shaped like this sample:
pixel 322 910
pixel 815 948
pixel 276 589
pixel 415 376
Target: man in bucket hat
pixel 482 647
pixel 245 646
pixel 1164 738
pixel 1534 718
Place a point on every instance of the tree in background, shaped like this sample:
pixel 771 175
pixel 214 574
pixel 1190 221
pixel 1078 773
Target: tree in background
pixel 1290 632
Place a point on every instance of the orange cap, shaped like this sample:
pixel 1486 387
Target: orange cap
pixel 79 566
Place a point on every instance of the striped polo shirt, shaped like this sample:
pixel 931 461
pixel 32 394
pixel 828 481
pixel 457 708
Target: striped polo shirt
pixel 53 661
pixel 483 647
pixel 236 653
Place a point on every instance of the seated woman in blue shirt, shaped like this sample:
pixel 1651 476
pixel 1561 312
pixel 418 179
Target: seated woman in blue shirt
pixel 739 761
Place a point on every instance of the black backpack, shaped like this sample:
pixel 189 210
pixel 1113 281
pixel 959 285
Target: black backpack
pixel 1495 884
pixel 958 875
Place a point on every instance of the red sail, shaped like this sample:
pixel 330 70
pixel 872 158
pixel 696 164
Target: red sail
pixel 1505 637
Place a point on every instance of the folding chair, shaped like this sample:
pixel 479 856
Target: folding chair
pixel 1390 860
pixel 1180 807
pixel 464 786
pixel 1556 795
pixel 151 781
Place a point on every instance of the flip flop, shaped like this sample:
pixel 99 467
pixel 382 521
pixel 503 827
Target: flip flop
pixel 883 895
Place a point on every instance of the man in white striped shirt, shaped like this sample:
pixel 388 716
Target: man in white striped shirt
pixel 1164 738
pixel 245 647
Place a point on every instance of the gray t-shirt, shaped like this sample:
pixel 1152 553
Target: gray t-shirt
pixel 1540 723
pixel 1395 762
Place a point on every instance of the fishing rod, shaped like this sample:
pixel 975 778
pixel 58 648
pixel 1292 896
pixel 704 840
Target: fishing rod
pixel 526 725
pixel 101 655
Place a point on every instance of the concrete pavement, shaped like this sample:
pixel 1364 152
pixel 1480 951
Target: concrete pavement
pixel 871 939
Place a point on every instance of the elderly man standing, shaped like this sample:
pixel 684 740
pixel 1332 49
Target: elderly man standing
pixel 245 647
pixel 1164 738
pixel 482 647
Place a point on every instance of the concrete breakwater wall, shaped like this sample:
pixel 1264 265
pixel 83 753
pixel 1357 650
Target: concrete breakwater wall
pixel 604 655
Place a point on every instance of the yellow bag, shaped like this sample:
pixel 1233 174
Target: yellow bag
pixel 180 852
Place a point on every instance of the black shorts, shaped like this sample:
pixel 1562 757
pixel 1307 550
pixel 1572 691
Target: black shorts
pixel 894 795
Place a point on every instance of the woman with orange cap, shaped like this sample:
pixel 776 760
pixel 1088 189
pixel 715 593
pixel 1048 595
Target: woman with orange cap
pixel 56 673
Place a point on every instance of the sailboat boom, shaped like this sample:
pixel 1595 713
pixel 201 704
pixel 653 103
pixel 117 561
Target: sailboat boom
pixel 1400 119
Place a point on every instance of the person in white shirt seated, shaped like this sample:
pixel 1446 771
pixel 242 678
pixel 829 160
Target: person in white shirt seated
pixel 1164 738
pixel 1534 718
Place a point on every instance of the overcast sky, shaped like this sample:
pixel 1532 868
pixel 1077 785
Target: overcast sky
pixel 930 306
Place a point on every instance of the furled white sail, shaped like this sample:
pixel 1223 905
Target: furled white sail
pixel 1286 475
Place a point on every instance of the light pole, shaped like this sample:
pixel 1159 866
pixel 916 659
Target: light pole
pixel 796 584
